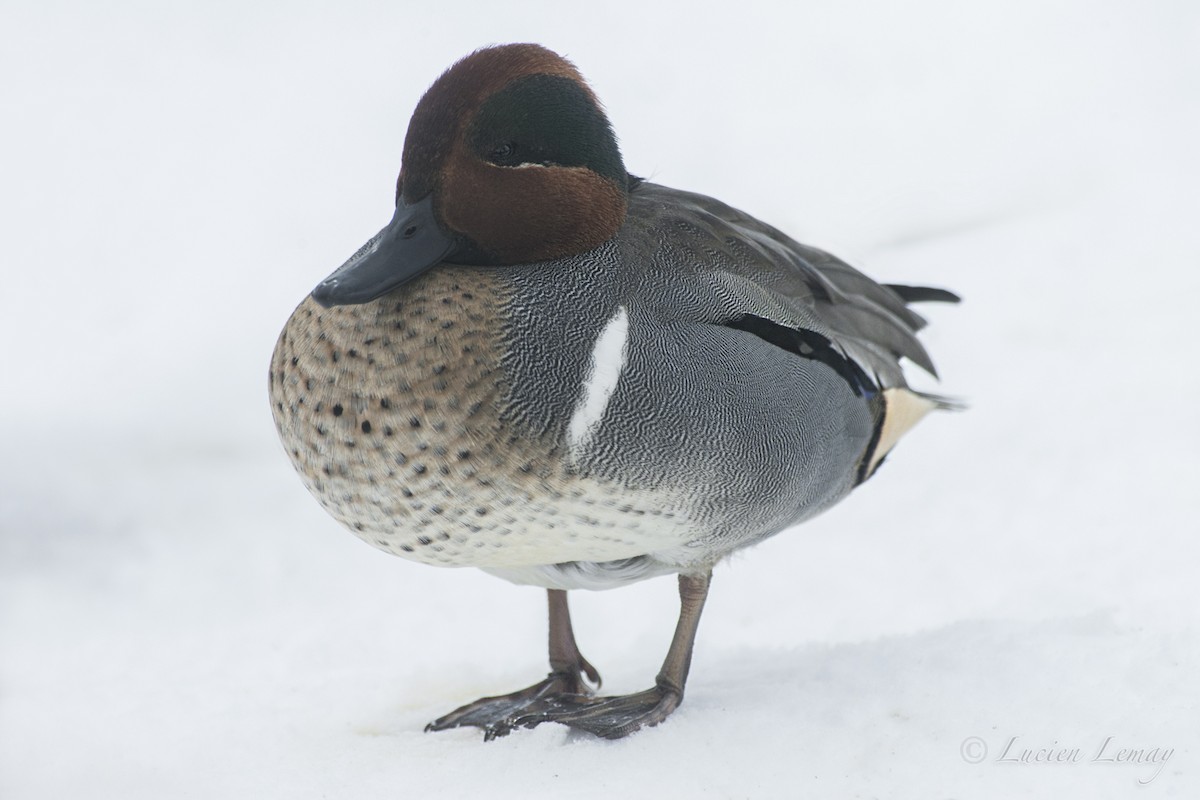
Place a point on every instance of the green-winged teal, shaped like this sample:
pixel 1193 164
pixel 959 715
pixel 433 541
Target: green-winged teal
pixel 573 378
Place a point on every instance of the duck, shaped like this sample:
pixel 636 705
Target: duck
pixel 573 378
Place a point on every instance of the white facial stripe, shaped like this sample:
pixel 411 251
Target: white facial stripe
pixel 608 359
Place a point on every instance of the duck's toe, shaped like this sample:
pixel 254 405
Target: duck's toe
pixel 494 714
pixel 606 717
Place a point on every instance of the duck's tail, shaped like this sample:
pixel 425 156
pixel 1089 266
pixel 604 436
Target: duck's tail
pixel 941 402
pixel 930 294
pixel 903 407
pixel 923 294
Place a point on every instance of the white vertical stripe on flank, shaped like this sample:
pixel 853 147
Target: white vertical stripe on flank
pixel 608 359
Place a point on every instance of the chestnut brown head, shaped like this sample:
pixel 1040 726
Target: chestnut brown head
pixel 509 159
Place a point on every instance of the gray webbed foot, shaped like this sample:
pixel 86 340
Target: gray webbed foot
pixel 606 717
pixel 492 713
pixel 564 697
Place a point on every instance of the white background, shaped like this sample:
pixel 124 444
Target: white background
pixel 179 619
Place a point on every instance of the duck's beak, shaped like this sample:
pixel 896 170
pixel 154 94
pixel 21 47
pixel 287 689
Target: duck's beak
pixel 410 244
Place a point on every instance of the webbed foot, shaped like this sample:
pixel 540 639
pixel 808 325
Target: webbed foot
pixel 607 717
pixel 564 697
pixel 493 713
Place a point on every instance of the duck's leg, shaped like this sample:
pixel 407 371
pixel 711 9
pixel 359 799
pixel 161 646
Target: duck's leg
pixel 614 717
pixel 567 670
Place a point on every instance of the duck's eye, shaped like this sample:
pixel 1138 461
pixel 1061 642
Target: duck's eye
pixel 504 154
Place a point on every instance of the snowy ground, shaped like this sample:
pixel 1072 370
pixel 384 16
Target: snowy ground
pixel 179 619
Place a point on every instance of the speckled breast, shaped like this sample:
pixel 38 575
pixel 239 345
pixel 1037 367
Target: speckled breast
pixel 393 414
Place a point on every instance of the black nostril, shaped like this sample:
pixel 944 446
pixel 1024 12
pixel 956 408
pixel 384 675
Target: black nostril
pixel 410 231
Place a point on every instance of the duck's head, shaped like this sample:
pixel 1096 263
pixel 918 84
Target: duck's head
pixel 509 159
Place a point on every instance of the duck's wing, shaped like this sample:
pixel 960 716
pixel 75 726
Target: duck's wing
pixel 755 271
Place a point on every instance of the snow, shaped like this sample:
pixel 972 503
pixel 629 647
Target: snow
pixel 179 619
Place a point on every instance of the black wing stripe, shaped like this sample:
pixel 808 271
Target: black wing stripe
pixel 810 345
